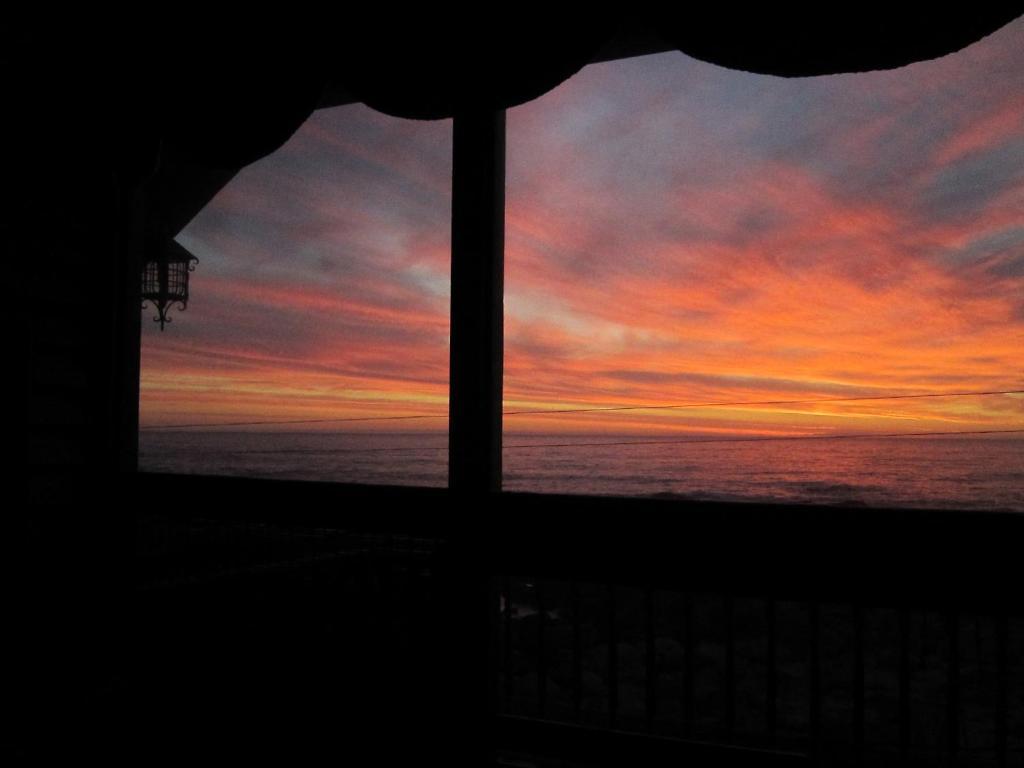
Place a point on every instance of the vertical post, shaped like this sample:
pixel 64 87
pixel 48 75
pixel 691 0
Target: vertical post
pixel 689 645
pixel 613 661
pixel 858 684
pixel 814 665
pixel 953 686
pixel 128 353
pixel 730 667
pixel 507 643
pixel 650 660
pixel 904 684
pixel 577 652
pixel 477 309
pixel 1002 629
pixel 542 660
pixel 474 428
pixel 771 652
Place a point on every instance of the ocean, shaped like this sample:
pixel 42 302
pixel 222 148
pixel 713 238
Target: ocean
pixel 975 472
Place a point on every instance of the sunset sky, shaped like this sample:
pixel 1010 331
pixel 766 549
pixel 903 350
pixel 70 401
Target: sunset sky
pixel 676 233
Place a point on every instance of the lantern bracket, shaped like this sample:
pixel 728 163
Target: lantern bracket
pixel 165 277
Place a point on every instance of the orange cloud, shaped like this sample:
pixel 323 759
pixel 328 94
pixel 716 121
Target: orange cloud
pixel 748 240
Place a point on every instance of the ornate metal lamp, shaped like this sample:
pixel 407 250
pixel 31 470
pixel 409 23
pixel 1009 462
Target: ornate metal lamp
pixel 165 279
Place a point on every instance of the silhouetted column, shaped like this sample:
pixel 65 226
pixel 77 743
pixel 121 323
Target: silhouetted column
pixel 478 242
pixel 474 450
pixel 128 331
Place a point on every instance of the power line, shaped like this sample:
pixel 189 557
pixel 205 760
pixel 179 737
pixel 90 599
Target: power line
pixel 764 402
pixel 673 406
pixel 157 428
pixel 768 438
pixel 675 441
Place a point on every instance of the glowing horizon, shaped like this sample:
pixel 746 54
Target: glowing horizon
pixel 675 233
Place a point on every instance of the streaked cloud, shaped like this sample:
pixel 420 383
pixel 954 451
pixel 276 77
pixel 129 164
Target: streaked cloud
pixel 752 235
pixel 676 233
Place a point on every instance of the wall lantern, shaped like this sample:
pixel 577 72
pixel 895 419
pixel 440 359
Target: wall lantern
pixel 165 278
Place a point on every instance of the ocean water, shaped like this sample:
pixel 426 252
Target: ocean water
pixel 941 472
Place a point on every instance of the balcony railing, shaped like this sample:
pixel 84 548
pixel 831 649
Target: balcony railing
pixel 651 631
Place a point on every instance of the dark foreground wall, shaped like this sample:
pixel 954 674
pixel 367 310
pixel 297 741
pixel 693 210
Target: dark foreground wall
pixel 293 620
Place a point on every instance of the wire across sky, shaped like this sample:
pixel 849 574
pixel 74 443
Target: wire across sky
pixel 604 409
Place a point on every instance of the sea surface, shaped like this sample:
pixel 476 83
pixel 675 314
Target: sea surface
pixel 983 473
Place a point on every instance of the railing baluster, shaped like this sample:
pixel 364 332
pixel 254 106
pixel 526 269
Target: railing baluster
pixel 688 643
pixel 953 687
pixel 542 666
pixel 651 666
pixel 814 679
pixel 507 633
pixel 577 652
pixel 904 683
pixel 772 682
pixel 183 542
pixel 613 661
pixel 730 667
pixel 858 683
pixel 1002 673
